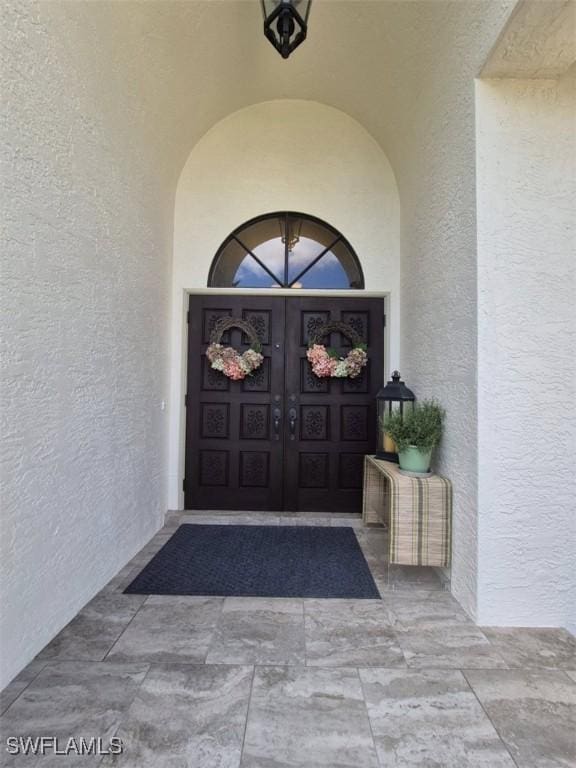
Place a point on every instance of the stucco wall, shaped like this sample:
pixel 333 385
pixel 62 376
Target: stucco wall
pixel 85 300
pixel 280 155
pixel 435 167
pixel 431 146
pixel 527 353
pixel 439 310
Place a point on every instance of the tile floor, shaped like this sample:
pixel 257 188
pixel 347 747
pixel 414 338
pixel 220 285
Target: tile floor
pixel 205 682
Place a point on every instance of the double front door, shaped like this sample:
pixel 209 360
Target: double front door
pixel 282 438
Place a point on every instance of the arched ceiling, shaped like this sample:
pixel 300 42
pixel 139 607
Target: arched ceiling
pixel 180 67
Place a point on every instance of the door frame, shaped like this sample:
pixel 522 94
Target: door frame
pixel 177 406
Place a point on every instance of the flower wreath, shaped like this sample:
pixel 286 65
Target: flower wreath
pixel 227 360
pixel 326 362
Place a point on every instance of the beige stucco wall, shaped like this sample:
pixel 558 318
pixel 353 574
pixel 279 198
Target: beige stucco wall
pixel 84 295
pixel 429 139
pixel 435 165
pixel 526 156
pixel 280 155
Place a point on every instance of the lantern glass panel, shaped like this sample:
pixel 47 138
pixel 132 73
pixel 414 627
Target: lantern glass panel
pixel 381 415
pixel 394 397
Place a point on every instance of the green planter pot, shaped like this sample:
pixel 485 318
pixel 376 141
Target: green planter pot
pixel 414 459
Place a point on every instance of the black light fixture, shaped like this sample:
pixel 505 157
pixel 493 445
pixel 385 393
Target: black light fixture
pixel 395 396
pixel 286 23
pixel 290 229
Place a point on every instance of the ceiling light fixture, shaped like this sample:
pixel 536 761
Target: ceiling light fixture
pixel 292 237
pixel 286 23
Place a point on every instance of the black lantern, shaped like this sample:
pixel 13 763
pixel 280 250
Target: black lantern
pixel 395 396
pixel 286 23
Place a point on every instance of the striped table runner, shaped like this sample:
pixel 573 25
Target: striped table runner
pixel 418 513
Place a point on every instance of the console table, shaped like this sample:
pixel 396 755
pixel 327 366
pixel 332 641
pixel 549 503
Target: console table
pixel 418 512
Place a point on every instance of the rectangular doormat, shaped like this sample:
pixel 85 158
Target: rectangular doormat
pixel 259 561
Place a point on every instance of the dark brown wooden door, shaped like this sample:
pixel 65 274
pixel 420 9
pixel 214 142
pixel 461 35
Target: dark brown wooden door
pixel 282 438
pixel 331 422
pixel 234 443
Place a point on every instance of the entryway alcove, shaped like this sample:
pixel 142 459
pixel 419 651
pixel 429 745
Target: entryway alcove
pixel 126 165
pixel 334 190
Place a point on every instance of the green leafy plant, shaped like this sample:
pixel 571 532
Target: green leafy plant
pixel 421 427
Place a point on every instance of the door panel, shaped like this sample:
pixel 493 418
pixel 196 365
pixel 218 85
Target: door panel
pixel 334 421
pixel 233 451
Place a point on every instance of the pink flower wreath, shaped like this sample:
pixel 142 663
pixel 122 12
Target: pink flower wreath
pixel 326 362
pixel 229 361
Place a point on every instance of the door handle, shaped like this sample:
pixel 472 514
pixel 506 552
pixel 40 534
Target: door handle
pixel 277 416
pixel 292 416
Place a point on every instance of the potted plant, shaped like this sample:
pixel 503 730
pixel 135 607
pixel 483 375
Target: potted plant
pixel 416 434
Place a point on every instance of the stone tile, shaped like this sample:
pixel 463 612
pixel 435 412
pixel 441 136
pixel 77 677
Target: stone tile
pixel 160 538
pixel 408 577
pixel 307 718
pixel 93 631
pixel 533 711
pixel 347 522
pixel 170 629
pixel 133 567
pixel 425 610
pixel 121 580
pixel 429 718
pixel 371 532
pixel 255 630
pixel 571 674
pixel 22 680
pixel 140 561
pixel 374 547
pixel 158 541
pixel 10 693
pixel 171 524
pixel 451 645
pixel 151 549
pixel 323 522
pixel 374 544
pixel 253 518
pixel 30 671
pixel 72 699
pixel 308 515
pixel 534 648
pixel 231 512
pixel 350 633
pixel 422 594
pixel 338 515
pixel 186 716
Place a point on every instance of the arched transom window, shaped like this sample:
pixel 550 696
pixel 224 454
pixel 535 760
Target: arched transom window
pixel 286 250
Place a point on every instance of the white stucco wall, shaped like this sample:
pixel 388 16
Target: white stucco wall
pixel 85 295
pixel 434 157
pixel 280 155
pixel 439 306
pixel 526 157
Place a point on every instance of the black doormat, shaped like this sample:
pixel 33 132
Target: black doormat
pixel 258 561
